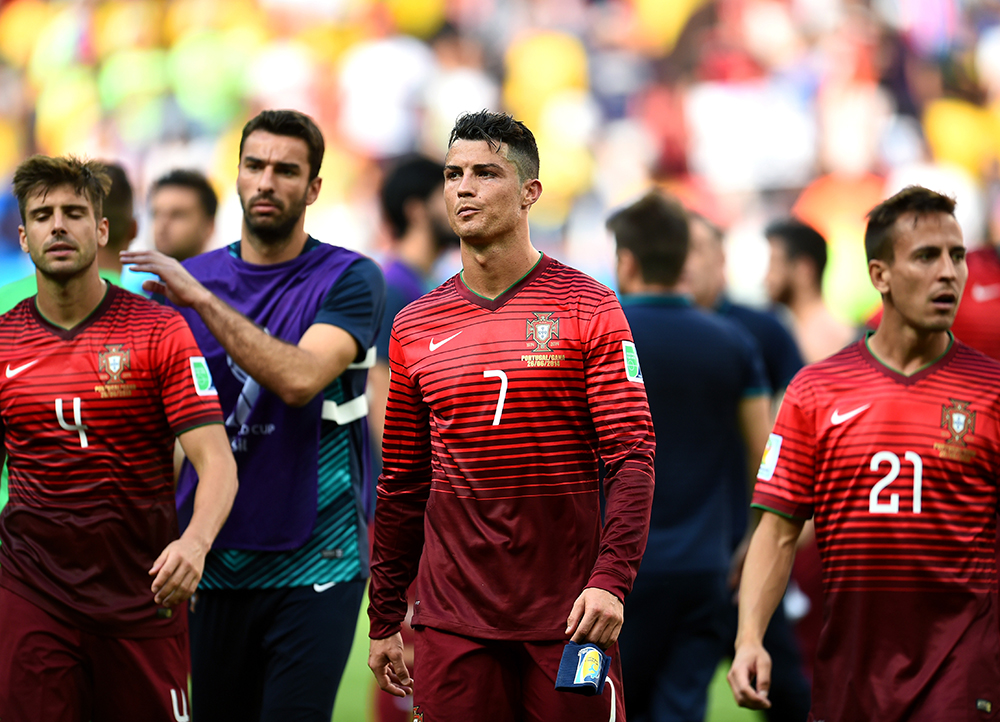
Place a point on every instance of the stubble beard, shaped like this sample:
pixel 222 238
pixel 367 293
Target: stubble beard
pixel 277 230
pixel 64 272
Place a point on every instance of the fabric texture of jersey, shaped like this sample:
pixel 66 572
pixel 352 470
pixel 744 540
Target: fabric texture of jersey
pixel 498 411
pixel 900 475
pixel 88 418
pixel 11 295
pixel 699 368
pixel 301 521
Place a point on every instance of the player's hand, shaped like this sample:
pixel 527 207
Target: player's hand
pixel 177 572
pixel 385 658
pixel 596 617
pixel 751 664
pixel 179 286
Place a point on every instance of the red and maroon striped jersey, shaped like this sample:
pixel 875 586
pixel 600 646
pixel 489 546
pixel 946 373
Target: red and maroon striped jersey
pixel 498 411
pixel 900 475
pixel 88 418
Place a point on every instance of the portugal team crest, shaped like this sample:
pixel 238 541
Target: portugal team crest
pixel 542 329
pixel 112 361
pixel 958 420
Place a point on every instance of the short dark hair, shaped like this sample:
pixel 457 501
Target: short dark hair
pixel 291 123
pixel 655 229
pixel 413 176
pixel 498 128
pixel 192 179
pixel 800 241
pixel 118 206
pixel 880 233
pixel 42 173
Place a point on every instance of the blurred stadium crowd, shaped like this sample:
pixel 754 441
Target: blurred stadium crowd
pixel 745 108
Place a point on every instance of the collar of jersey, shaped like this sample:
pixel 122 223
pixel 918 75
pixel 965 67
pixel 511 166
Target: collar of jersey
pixel 494 303
pixel 311 243
pixel 110 292
pixel 920 373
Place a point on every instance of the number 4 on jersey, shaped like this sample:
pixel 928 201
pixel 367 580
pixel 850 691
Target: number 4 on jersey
pixel 77 424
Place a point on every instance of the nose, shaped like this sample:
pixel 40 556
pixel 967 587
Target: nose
pixel 265 179
pixel 949 267
pixel 466 185
pixel 58 222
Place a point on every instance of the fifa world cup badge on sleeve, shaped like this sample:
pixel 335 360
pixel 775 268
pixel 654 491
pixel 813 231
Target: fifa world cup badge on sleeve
pixel 770 461
pixel 202 377
pixel 631 359
pixel 583 669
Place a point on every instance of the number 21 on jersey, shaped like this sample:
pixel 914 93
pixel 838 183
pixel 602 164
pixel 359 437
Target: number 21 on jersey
pixel 892 506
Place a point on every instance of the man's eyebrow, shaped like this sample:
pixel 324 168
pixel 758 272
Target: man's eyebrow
pixel 477 166
pixel 65 206
pixel 280 165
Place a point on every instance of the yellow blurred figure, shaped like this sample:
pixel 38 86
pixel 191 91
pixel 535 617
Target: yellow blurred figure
pixel 421 18
pixel 20 22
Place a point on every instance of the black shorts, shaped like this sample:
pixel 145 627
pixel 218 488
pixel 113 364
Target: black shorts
pixel 271 654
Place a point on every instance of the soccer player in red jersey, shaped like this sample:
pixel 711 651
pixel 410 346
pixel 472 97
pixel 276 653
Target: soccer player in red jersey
pixel 97 384
pixel 508 383
pixel 892 446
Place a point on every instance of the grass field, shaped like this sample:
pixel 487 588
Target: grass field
pixel 355 695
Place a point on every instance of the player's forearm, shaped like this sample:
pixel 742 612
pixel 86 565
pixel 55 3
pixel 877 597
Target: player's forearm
pixel 396 551
pixel 765 575
pixel 283 368
pixel 217 486
pixel 626 528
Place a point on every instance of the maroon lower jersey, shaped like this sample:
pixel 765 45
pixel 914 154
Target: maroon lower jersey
pixel 88 418
pixel 498 412
pixel 900 475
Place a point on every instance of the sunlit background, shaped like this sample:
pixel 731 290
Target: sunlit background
pixel 748 109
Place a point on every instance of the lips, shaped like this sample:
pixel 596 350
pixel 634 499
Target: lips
pixel 262 205
pixel 465 211
pixel 944 299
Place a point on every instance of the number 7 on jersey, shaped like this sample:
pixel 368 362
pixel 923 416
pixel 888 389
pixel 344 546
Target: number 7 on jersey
pixel 498 374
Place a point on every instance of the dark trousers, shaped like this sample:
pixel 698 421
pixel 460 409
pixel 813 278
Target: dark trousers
pixel 271 654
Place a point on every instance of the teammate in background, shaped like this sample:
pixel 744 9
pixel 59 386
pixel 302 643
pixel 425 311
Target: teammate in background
pixel 710 375
pixel 795 279
pixel 891 445
pixel 183 205
pixel 412 201
pixel 412 198
pixel 97 383
pixel 509 382
pixel 122 229
pixel 705 279
pixel 288 325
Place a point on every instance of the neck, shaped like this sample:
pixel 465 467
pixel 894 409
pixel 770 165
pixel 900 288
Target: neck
pixel 491 269
pixel 254 250
pixel 67 303
pixel 906 349
pixel 639 287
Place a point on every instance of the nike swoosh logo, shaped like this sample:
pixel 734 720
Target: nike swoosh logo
pixel 838 418
pixel 439 344
pixel 11 373
pixel 323 587
pixel 985 293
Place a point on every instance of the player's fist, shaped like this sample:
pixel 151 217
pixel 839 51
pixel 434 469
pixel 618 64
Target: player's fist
pixel 385 659
pixel 596 617
pixel 751 664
